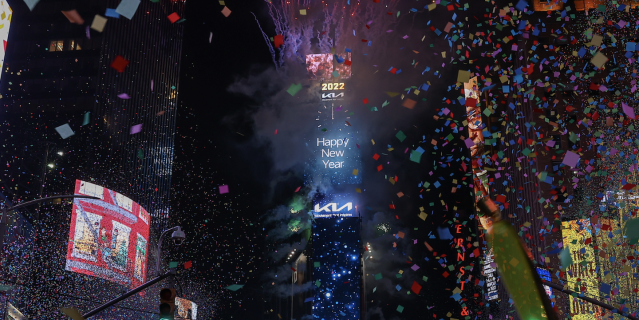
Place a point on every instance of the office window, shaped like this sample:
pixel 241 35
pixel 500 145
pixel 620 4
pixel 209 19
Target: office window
pixel 56 45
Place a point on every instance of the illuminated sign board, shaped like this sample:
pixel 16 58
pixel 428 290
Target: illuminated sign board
pixel 578 237
pixel 326 66
pixel 328 154
pixel 489 273
pixel 108 238
pixel 186 309
pixel 328 96
pixel 334 205
pixel 5 23
pixel 545 275
pixel 330 86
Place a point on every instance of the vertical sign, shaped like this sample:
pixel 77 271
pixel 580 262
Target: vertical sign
pixel 578 237
pixel 489 273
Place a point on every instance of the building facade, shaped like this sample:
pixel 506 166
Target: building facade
pixel 116 90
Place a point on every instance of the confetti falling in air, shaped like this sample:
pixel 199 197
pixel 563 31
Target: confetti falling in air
pixel 444 102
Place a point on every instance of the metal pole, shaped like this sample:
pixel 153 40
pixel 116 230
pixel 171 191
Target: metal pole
pixel 157 259
pixel 43 178
pixel 593 301
pixel 128 294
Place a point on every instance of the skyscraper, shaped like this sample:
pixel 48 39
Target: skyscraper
pixel 116 90
pixel 106 86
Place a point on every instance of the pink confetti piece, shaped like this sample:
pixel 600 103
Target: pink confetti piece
pixel 136 128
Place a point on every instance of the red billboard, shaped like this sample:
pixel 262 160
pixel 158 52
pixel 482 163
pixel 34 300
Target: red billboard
pixel 109 237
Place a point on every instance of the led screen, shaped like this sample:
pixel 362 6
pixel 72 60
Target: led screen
pixel 577 236
pixel 186 309
pixel 338 159
pixel 336 272
pixel 334 205
pixel 5 22
pixel 321 66
pixel 545 275
pixel 109 237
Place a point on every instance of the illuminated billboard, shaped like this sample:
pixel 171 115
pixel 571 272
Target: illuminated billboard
pixel 5 23
pixel 186 309
pixel 544 274
pixel 490 275
pixel 336 268
pixel 338 160
pixel 109 237
pixel 321 66
pixel 577 236
pixel 334 205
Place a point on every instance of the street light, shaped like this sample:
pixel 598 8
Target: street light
pixel 178 238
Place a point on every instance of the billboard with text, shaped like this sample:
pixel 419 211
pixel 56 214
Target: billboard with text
pixel 109 237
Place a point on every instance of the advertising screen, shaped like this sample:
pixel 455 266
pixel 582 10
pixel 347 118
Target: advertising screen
pixel 577 236
pixel 544 274
pixel 321 66
pixel 336 268
pixel 186 309
pixel 5 22
pixel 338 159
pixel 109 237
pixel 334 205
pixel 490 276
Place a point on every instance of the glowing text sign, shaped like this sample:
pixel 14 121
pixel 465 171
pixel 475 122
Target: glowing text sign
pixel 330 86
pixel 329 155
pixel 491 283
pixel 327 96
pixel 333 209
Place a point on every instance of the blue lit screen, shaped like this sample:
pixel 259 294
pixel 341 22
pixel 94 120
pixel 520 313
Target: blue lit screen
pixel 545 275
pixel 336 268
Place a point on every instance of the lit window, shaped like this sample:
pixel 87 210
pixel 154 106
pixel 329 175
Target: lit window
pixel 56 45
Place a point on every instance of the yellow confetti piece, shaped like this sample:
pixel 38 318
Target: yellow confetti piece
pixel 355 172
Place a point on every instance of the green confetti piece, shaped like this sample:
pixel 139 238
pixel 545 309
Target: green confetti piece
pixel 294 89
pixel 401 136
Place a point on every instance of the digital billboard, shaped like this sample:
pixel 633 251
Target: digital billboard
pixel 338 159
pixel 577 236
pixel 336 268
pixel 321 66
pixel 334 205
pixel 5 23
pixel 109 237
pixel 544 274
pixel 186 309
pixel 490 276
